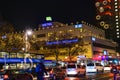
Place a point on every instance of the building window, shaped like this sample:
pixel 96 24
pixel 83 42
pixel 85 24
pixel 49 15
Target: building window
pixel 116 22
pixel 117 29
pixel 116 19
pixel 115 3
pixel 81 30
pixel 116 6
pixel 116 9
pixel 40 35
pixel 117 32
pixel 70 30
pixel 116 16
pixel 117 26
pixel 118 36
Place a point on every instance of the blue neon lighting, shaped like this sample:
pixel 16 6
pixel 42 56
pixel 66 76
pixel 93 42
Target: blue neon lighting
pixel 46 24
pixel 78 25
pixel 62 41
pixel 4 36
pixel 105 52
pixel 93 39
pixel 17 60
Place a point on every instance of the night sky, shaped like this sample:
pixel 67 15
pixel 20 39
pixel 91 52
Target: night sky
pixel 24 13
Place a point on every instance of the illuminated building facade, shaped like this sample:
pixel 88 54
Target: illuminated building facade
pixel 50 33
pixel 108 18
pixel 94 38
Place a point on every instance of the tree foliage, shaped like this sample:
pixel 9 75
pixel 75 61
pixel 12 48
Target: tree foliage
pixel 11 43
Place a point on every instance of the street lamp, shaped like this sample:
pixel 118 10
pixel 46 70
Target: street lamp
pixel 27 45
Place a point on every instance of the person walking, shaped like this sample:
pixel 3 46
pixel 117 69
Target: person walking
pixel 40 70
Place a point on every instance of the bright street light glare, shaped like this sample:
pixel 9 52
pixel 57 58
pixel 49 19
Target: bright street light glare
pixel 29 32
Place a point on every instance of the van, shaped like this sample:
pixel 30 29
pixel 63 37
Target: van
pixel 91 67
pixel 71 69
pixel 99 67
pixel 75 69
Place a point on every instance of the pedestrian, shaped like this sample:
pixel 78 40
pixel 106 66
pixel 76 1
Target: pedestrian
pixel 40 70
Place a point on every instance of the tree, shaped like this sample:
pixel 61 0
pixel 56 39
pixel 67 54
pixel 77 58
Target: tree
pixel 37 45
pixel 76 49
pixel 12 43
pixel 57 37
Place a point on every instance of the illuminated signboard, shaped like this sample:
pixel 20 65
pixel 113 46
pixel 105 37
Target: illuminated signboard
pixel 46 24
pixel 105 52
pixel 62 41
pixel 48 18
pixel 4 36
pixel 78 25
pixel 93 39
pixel 17 60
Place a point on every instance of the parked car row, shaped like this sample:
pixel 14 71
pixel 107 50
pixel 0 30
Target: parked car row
pixel 15 74
pixel 57 72
pixel 52 73
pixel 77 69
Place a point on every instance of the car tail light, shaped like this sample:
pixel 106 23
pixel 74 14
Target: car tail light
pixel 110 67
pixel 5 76
pixel 51 72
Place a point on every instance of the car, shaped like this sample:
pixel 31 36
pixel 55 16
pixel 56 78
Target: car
pixel 71 69
pixel 58 73
pixel 15 74
pixel 99 67
pixel 81 69
pixel 114 69
pixel 49 75
pixel 107 68
pixel 118 69
pixel 91 67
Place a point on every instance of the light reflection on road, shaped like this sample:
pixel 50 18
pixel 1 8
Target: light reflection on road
pixel 91 76
pixel 88 76
pixel 71 78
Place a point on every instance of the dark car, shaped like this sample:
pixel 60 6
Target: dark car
pixel 15 74
pixel 49 75
pixel 114 69
pixel 58 73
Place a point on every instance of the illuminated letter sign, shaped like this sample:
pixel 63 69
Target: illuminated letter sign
pixel 46 24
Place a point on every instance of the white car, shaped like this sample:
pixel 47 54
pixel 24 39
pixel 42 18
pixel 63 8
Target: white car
pixel 71 69
pixel 107 68
pixel 99 67
pixel 91 67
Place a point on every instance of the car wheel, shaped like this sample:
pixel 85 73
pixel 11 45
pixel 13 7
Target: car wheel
pixel 102 70
pixel 63 77
pixel 13 79
pixel 78 74
pixel 84 74
pixel 97 70
pixel 54 77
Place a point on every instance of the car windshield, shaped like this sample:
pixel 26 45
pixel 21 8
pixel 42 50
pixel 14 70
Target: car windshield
pixel 90 64
pixel 98 64
pixel 57 69
pixel 71 66
pixel 107 66
pixel 80 66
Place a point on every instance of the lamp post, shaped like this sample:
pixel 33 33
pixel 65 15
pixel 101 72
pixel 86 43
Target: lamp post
pixel 27 45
